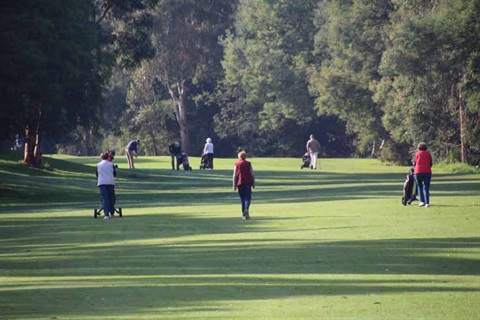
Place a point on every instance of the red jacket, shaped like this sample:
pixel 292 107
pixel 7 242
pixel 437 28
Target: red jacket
pixel 243 173
pixel 423 162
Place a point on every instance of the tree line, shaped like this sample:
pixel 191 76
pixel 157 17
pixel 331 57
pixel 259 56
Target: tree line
pixel 366 77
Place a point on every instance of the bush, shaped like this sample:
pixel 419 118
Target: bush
pixel 397 153
pixel 456 167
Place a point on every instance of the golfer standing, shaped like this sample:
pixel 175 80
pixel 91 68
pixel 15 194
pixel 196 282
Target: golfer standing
pixel 175 151
pixel 208 150
pixel 244 181
pixel 423 173
pixel 106 174
pixel 313 148
pixel 131 151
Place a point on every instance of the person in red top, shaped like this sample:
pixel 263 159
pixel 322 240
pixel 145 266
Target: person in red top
pixel 244 181
pixel 423 173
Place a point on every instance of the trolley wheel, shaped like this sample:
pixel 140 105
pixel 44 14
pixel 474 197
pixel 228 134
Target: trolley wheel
pixel 95 213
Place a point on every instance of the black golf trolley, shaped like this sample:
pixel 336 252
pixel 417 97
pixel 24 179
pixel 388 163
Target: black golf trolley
pixel 97 212
pixel 306 161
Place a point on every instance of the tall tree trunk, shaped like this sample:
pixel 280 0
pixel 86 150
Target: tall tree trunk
pixel 33 146
pixel 457 96
pixel 33 139
pixel 37 153
pixel 154 142
pixel 88 142
pixel 461 108
pixel 180 100
pixel 30 138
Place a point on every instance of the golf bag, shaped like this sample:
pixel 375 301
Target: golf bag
pixel 183 159
pixel 409 189
pixel 305 161
pixel 204 164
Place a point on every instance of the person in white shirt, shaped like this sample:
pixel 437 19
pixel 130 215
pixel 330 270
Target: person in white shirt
pixel 106 184
pixel 208 150
pixel 314 148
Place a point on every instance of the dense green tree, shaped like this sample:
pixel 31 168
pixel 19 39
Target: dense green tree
pixel 150 112
pixel 238 121
pixel 430 83
pixel 52 69
pixel 389 73
pixel 267 55
pixel 348 50
pixel 185 37
pixel 267 107
pixel 126 28
pixel 123 29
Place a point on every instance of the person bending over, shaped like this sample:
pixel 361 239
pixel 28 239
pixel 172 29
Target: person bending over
pixel 131 151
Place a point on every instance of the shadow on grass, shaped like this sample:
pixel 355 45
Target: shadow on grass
pixel 127 266
pixel 162 244
pixel 163 187
pixel 274 187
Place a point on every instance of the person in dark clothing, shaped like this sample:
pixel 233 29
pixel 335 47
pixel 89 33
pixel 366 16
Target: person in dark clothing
pixel 175 153
pixel 244 181
pixel 131 151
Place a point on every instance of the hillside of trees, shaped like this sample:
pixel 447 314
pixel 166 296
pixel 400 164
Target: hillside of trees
pixel 369 78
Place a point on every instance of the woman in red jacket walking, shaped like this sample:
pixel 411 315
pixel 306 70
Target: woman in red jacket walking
pixel 423 173
pixel 244 180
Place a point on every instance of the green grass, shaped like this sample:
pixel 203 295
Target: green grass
pixel 335 243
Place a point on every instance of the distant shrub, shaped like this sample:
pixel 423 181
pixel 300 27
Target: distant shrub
pixel 456 167
pixel 47 166
pixel 397 153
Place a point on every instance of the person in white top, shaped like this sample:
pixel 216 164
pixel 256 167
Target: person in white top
pixel 314 148
pixel 208 150
pixel 106 184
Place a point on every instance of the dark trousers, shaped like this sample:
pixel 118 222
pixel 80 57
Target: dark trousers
pixel 107 192
pixel 210 160
pixel 175 156
pixel 423 185
pixel 245 193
